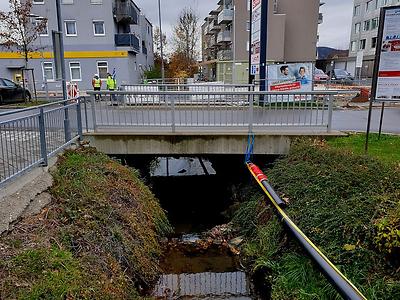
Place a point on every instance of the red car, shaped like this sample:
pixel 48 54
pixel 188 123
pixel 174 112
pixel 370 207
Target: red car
pixel 319 75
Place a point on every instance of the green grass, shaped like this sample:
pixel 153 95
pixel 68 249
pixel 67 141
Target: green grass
pixel 98 239
pixel 387 148
pixel 347 204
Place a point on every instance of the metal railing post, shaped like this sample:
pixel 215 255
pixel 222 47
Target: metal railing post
pixel 330 112
pixel 79 118
pixel 86 115
pixel 67 126
pixel 173 114
pixel 42 133
pixel 251 113
pixel 94 112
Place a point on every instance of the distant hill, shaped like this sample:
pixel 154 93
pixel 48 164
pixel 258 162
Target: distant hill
pixel 327 52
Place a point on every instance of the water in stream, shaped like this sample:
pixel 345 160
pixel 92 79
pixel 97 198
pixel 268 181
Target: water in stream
pixel 195 192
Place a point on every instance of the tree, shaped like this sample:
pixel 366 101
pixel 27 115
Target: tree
pixel 18 31
pixel 157 42
pixel 186 34
pixel 180 66
pixel 186 39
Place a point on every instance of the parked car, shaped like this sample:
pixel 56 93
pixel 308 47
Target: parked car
pixel 11 92
pixel 319 75
pixel 341 76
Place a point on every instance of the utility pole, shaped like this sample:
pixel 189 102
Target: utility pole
pixel 161 44
pixel 60 29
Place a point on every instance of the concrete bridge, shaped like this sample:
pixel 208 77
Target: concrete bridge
pixel 145 121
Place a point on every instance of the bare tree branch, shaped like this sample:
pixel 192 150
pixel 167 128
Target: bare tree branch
pixel 19 30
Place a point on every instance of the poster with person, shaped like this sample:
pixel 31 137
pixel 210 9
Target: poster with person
pixel 295 77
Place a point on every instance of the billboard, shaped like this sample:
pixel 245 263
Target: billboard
pixel 386 81
pixel 295 77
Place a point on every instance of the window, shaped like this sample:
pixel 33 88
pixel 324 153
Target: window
pixel 75 71
pixel 362 44
pixel 45 30
pixel 374 23
pixel 373 42
pixel 96 1
pixel 357 27
pixel 9 83
pixel 366 25
pixel 357 10
pixel 98 28
pixel 102 69
pixel 67 2
pixel 38 1
pixel 48 71
pixel 70 28
pixel 371 5
pixel 353 46
pixel 247 25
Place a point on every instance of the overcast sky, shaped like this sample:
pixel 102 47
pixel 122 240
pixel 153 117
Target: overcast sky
pixel 334 32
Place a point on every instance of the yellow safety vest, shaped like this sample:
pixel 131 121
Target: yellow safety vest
pixel 111 83
pixel 97 82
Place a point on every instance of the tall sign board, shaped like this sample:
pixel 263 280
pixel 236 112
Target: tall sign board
pixel 386 80
pixel 255 36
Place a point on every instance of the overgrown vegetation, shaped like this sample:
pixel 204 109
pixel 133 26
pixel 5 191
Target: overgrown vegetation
pixel 349 206
pixel 99 238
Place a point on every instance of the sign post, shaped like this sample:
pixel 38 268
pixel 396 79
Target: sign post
pixel 386 78
pixel 258 57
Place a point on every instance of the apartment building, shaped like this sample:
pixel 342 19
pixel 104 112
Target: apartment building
pixel 291 36
pixel 100 36
pixel 364 32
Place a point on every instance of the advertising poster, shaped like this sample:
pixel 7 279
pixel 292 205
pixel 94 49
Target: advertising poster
pixel 295 77
pixel 255 36
pixel 388 79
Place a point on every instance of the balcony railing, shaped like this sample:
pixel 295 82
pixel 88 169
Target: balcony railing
pixel 214 26
pixel 127 40
pixel 225 55
pixel 225 16
pixel 224 37
pixel 125 12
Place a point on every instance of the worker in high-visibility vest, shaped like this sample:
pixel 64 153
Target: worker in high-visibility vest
pixel 111 85
pixel 96 83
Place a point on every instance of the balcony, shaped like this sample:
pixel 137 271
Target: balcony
pixel 125 12
pixel 225 16
pixel 224 37
pixel 225 55
pixel 214 27
pixel 208 30
pixel 127 40
pixel 320 18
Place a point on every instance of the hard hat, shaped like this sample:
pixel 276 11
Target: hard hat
pixel 96 75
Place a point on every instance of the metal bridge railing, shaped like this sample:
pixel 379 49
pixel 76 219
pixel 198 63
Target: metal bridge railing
pixel 210 110
pixel 28 137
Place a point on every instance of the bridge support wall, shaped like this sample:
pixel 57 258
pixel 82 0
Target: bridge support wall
pixel 189 144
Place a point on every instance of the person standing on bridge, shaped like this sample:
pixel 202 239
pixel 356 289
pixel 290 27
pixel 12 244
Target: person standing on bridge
pixel 96 83
pixel 111 85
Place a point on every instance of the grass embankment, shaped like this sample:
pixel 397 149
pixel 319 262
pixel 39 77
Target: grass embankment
pixel 98 239
pixel 348 204
pixel 385 148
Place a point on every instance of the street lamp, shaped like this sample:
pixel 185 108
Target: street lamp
pixel 161 44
